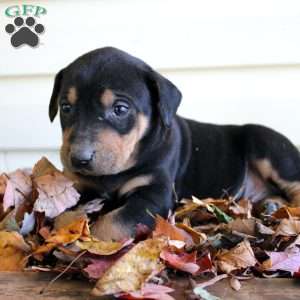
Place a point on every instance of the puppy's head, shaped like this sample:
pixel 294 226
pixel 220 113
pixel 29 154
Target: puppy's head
pixel 108 101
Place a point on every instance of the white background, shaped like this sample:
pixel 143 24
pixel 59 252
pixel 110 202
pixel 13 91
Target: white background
pixel 235 61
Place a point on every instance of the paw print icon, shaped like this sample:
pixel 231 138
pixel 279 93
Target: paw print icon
pixel 24 32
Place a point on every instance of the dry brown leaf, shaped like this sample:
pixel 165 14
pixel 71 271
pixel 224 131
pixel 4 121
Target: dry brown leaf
pixel 164 228
pixel 188 207
pixel 262 229
pixel 55 191
pixel 43 167
pixel 243 208
pixel 288 227
pixel 13 251
pixel 133 269
pixel 199 238
pixel 222 204
pixel 246 226
pixel 18 187
pixel 239 257
pixel 287 212
pixel 191 206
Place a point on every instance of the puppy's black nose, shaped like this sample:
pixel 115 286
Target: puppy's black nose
pixel 81 160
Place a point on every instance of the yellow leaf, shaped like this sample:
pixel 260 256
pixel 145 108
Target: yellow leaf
pixel 13 251
pixel 133 269
pixel 70 233
pixel 65 235
pixel 95 246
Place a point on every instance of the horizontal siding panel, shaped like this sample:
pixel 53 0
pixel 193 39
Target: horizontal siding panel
pixel 27 159
pixel 3 166
pixel 27 127
pixel 168 34
pixel 269 96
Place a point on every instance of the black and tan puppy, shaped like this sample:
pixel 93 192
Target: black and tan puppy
pixel 122 139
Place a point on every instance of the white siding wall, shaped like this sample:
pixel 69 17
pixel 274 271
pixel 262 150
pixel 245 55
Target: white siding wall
pixel 235 61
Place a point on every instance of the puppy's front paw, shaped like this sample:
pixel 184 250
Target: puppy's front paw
pixel 109 227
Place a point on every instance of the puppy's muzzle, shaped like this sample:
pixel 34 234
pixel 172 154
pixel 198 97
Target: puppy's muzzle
pixel 81 159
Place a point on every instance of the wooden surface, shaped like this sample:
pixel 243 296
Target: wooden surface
pixel 26 286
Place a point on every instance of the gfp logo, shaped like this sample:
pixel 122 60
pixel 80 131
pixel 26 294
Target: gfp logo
pixel 25 29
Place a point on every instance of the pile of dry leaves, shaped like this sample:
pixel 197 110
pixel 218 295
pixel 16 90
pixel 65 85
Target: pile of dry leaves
pixel 42 228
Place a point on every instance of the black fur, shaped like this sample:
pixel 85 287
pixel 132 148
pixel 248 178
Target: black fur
pixel 183 156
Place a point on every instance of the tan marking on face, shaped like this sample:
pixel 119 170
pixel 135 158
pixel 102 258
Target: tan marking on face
pixel 115 152
pixel 109 228
pixel 107 98
pixel 134 183
pixel 291 188
pixel 65 147
pixel 72 95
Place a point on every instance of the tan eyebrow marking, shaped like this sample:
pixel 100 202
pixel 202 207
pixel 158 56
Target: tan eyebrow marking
pixel 107 98
pixel 72 95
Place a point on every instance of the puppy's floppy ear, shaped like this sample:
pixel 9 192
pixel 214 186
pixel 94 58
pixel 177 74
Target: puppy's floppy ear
pixel 167 95
pixel 53 105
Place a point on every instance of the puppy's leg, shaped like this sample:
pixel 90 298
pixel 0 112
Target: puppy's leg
pixel 140 206
pixel 276 160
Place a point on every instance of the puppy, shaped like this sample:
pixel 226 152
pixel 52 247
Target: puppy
pixel 122 140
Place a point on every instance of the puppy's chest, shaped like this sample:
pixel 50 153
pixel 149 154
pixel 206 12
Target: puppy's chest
pixel 105 188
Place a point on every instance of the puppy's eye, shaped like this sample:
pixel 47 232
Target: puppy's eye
pixel 120 109
pixel 66 108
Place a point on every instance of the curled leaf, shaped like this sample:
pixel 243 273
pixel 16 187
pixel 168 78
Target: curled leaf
pixel 239 257
pixel 55 191
pixel 132 270
pixel 18 187
pixel 288 227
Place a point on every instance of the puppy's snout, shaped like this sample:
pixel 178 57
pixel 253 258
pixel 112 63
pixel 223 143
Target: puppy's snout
pixel 82 159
